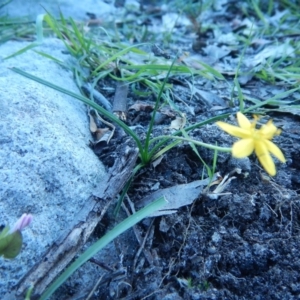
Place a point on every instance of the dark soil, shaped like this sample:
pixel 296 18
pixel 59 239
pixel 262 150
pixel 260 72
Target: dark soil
pixel 240 244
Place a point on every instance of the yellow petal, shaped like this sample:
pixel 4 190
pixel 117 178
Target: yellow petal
pixel 243 148
pixel 269 130
pixel 234 130
pixel 265 158
pixel 275 150
pixel 243 121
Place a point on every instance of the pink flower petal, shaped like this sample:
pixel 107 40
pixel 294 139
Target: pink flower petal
pixel 23 222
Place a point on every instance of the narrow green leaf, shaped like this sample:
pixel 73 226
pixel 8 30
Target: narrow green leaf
pixel 116 56
pixel 50 57
pixel 101 243
pixel 126 188
pixel 4 3
pixel 146 154
pixel 39 28
pixel 79 35
pixel 87 101
pixel 164 150
pixel 33 45
pixel 211 70
pixel 39 34
pixel 240 94
pixel 208 169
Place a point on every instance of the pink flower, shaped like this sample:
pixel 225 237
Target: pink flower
pixel 24 221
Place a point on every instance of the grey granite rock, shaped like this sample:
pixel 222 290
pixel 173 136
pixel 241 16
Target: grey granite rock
pixel 76 9
pixel 46 166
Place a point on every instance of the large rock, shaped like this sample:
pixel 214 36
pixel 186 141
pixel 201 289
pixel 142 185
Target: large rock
pixel 46 166
pixel 76 9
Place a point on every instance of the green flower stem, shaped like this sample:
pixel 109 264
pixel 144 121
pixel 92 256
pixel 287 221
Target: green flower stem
pixel 189 128
pixel 205 145
pixel 154 155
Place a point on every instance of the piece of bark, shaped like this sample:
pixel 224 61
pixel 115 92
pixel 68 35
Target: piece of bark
pixel 64 249
pixel 120 101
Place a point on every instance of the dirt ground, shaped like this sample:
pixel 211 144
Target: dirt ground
pixel 240 243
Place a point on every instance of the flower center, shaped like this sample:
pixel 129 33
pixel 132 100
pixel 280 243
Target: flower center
pixel 255 134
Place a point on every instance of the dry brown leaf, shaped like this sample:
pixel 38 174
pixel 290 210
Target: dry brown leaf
pixel 101 132
pixel 178 123
pixel 157 161
pixel 142 106
pixel 93 125
pixel 167 111
pixel 177 196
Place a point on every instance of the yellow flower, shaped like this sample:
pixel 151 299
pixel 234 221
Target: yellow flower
pixel 253 139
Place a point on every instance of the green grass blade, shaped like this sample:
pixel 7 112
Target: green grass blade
pixel 101 243
pixel 211 70
pixel 259 12
pixel 215 161
pixel 29 292
pixel 147 157
pixel 39 35
pixel 83 43
pixel 164 150
pixel 50 57
pixel 270 7
pixel 116 56
pixel 39 28
pixel 272 101
pixel 208 169
pixel 32 45
pixel 58 28
pixel 52 23
pixel 4 3
pixel 126 188
pixel 240 94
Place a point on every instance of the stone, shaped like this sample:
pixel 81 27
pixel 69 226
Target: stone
pixel 46 166
pixel 77 10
